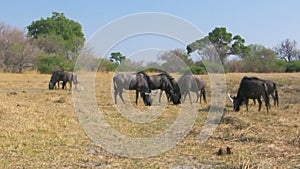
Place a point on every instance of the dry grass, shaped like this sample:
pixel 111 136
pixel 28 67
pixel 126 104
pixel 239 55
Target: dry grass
pixel 39 129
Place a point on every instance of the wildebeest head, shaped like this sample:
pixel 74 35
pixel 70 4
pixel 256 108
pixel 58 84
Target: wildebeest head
pixel 236 102
pixel 144 87
pixel 51 85
pixel 176 94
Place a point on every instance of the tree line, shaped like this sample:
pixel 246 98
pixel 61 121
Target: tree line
pixel 55 43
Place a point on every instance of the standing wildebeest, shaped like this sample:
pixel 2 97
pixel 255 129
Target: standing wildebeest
pixel 65 77
pixel 272 90
pixel 189 83
pixel 133 81
pixel 251 88
pixel 70 78
pixel 163 82
pixel 56 77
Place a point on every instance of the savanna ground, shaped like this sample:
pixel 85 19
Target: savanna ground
pixel 39 128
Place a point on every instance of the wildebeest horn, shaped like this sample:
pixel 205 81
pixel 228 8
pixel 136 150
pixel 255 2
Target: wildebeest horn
pixel 230 97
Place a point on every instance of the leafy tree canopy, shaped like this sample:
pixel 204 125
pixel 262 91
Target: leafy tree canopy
pixel 58 25
pixel 117 57
pixel 223 42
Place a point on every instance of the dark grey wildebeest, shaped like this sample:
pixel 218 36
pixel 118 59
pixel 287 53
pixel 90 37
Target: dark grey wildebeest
pixel 189 83
pixel 65 77
pixel 133 81
pixel 272 90
pixel 251 88
pixel 162 81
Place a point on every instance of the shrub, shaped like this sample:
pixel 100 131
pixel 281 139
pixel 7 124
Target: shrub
pixel 293 66
pixel 49 63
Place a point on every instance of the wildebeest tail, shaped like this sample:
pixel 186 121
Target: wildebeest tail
pixel 203 91
pixel 115 86
pixel 266 96
pixel 276 95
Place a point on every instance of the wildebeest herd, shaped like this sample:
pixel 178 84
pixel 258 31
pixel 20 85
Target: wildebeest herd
pixel 177 90
pixel 144 84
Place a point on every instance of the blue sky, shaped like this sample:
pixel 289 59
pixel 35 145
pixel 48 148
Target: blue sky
pixel 257 21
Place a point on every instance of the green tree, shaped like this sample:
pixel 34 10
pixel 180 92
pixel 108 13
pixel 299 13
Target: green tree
pixel 260 60
pixel 175 60
pixel 222 42
pixel 117 57
pixel 48 63
pixel 57 28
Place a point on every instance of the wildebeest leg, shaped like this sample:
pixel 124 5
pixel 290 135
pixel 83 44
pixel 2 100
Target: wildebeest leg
pixel 197 93
pixel 184 96
pixel 55 85
pixel 65 84
pixel 247 102
pixel 160 96
pixel 190 97
pixel 121 95
pixel 254 102
pixel 203 94
pixel 70 85
pixel 274 98
pixel 136 96
pixel 115 95
pixel 259 104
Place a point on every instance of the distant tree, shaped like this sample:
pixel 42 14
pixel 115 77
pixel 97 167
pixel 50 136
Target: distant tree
pixel 260 60
pixel 117 57
pixel 287 50
pixel 16 53
pixel 179 54
pixel 222 42
pixel 262 52
pixel 57 33
pixel 51 44
pixel 175 60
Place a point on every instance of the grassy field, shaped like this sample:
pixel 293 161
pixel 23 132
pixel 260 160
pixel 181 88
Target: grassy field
pixel 39 128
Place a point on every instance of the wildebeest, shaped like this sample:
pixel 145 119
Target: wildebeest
pixel 272 90
pixel 189 83
pixel 63 76
pixel 133 81
pixel 176 96
pixel 251 88
pixel 162 81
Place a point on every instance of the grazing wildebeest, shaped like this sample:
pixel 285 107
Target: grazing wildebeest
pixel 133 81
pixel 176 96
pixel 251 88
pixel 163 82
pixel 272 90
pixel 56 77
pixel 63 76
pixel 189 83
